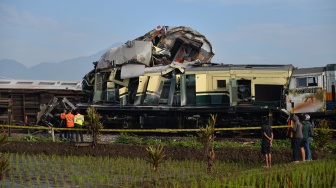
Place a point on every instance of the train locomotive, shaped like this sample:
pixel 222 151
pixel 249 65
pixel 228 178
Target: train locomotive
pixel 165 79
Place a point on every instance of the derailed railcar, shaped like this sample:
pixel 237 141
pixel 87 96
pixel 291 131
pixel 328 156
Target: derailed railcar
pixel 239 94
pixel 166 79
pixel 312 91
pixel 24 102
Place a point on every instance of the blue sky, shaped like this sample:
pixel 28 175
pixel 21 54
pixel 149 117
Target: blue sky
pixel 298 32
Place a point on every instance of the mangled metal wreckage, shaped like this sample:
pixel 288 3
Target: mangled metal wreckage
pixel 135 73
pixel 166 78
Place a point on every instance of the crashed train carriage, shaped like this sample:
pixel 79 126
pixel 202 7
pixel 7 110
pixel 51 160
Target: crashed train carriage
pixel 166 79
pixel 239 94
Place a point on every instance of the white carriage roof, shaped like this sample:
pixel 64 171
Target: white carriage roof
pixel 313 70
pixel 40 84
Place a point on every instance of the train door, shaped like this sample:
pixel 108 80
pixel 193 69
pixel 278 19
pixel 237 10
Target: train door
pixel 98 88
pixel 244 91
pixel 233 92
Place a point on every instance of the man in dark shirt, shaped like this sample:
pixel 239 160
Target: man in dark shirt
pixel 266 141
pixel 297 139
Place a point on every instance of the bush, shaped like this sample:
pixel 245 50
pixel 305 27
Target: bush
pixel 322 134
pixel 125 138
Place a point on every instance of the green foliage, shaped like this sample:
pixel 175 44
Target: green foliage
pixel 93 124
pixel 155 156
pixel 206 137
pixel 105 171
pixel 4 165
pixel 277 143
pixel 125 138
pixel 152 142
pixel 331 146
pixel 322 134
pixel 30 138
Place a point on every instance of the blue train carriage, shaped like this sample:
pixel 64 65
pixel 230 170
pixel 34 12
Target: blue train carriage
pixel 312 90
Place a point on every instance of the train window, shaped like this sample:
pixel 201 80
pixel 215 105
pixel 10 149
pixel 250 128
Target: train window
pixel 307 81
pixel 301 82
pixel 312 81
pixel 221 83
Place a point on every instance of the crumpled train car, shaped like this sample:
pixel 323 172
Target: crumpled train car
pixel 166 78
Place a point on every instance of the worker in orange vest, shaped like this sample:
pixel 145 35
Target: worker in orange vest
pixel 63 133
pixel 70 124
pixel 79 121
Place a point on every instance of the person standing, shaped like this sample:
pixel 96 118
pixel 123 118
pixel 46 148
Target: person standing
pixel 63 133
pixel 310 127
pixel 297 138
pixel 70 124
pixel 266 141
pixel 79 121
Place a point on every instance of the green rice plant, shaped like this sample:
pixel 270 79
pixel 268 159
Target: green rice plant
pixel 4 165
pixel 127 172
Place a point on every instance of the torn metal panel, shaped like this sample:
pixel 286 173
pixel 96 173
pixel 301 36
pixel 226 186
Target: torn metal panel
pixel 160 46
pixel 141 90
pixel 123 95
pixel 182 42
pixel 132 51
pixel 159 70
pixel 132 70
pixel 154 90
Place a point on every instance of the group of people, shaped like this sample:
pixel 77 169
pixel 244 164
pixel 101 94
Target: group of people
pixel 68 120
pixel 303 131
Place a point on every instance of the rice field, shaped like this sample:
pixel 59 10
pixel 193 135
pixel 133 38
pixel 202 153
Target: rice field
pixel 86 171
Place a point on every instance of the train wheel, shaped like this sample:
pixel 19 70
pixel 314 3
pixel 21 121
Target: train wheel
pixel 126 125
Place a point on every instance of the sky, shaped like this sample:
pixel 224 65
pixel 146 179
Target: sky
pixel 297 32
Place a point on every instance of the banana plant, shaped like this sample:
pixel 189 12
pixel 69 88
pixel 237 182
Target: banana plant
pixel 155 156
